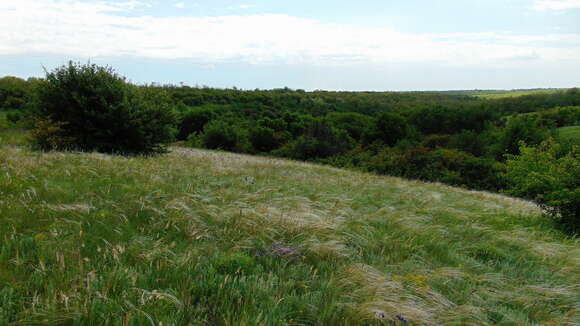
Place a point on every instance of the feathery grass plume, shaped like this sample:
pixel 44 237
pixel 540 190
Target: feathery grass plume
pixel 185 238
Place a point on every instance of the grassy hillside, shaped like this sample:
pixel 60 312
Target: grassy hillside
pixel 570 133
pixel 206 238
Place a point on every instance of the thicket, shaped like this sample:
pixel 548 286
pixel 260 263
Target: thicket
pixel 92 108
pixel 549 175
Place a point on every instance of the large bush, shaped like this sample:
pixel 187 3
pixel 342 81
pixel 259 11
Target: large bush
pixel 549 176
pixel 194 120
pixel 388 129
pixel 224 135
pixel 320 140
pixel 521 128
pixel 95 109
pixel 13 93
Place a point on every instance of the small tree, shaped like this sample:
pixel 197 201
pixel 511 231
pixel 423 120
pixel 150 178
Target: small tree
pixel 219 134
pixel 95 109
pixel 388 129
pixel 526 128
pixel 550 177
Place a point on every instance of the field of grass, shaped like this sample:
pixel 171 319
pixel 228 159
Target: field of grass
pixel 9 134
pixel 206 238
pixel 571 133
pixel 506 94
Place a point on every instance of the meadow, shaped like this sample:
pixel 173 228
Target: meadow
pixel 198 237
pixel 513 93
pixel 571 133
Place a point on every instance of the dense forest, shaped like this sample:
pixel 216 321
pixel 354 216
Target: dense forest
pixel 448 137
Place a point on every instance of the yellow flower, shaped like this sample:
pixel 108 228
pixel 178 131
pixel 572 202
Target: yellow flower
pixel 40 236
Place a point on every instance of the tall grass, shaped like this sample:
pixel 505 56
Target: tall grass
pixel 206 238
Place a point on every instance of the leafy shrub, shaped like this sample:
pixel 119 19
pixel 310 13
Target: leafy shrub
pixel 219 134
pixel 549 176
pixel 526 128
pixel 353 123
pixel 263 139
pixel 49 135
pixel 94 109
pixel 320 140
pixel 13 93
pixel 436 141
pixel 562 116
pixel 470 142
pixel 388 129
pixel 193 121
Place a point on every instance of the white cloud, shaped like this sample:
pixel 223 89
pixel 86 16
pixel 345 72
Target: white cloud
pixel 543 5
pixel 242 6
pixel 81 29
pixel 180 5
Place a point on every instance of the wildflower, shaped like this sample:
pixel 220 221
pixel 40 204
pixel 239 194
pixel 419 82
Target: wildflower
pixel 40 236
pixel 401 318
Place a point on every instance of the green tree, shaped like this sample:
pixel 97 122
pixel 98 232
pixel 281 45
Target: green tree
pixel 549 176
pixel 193 121
pixel 95 109
pixel 354 123
pixel 13 93
pixel 388 129
pixel 522 128
pixel 220 134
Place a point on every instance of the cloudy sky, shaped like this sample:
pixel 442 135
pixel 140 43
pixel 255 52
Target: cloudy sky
pixel 314 44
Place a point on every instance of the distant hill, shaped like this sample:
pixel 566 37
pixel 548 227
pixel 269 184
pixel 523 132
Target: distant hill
pixel 498 94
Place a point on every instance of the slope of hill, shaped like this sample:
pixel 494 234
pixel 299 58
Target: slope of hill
pixel 491 94
pixel 571 133
pixel 206 238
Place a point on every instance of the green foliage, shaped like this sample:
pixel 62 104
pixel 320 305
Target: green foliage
pixel 470 142
pixel 264 139
pixel 550 177
pixel 438 119
pixel 220 134
pixel 98 111
pixel 13 93
pixel 388 129
pixel 320 140
pixel 353 123
pixel 420 162
pixel 50 135
pixel 194 120
pixel 562 116
pixel 450 137
pixel 523 128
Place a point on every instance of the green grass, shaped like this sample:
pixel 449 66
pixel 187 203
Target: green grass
pixel 206 238
pixel 571 133
pixel 11 134
pixel 507 94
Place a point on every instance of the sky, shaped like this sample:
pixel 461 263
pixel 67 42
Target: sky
pixel 377 45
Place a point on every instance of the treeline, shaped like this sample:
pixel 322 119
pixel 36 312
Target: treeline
pixel 454 139
pixel 444 137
